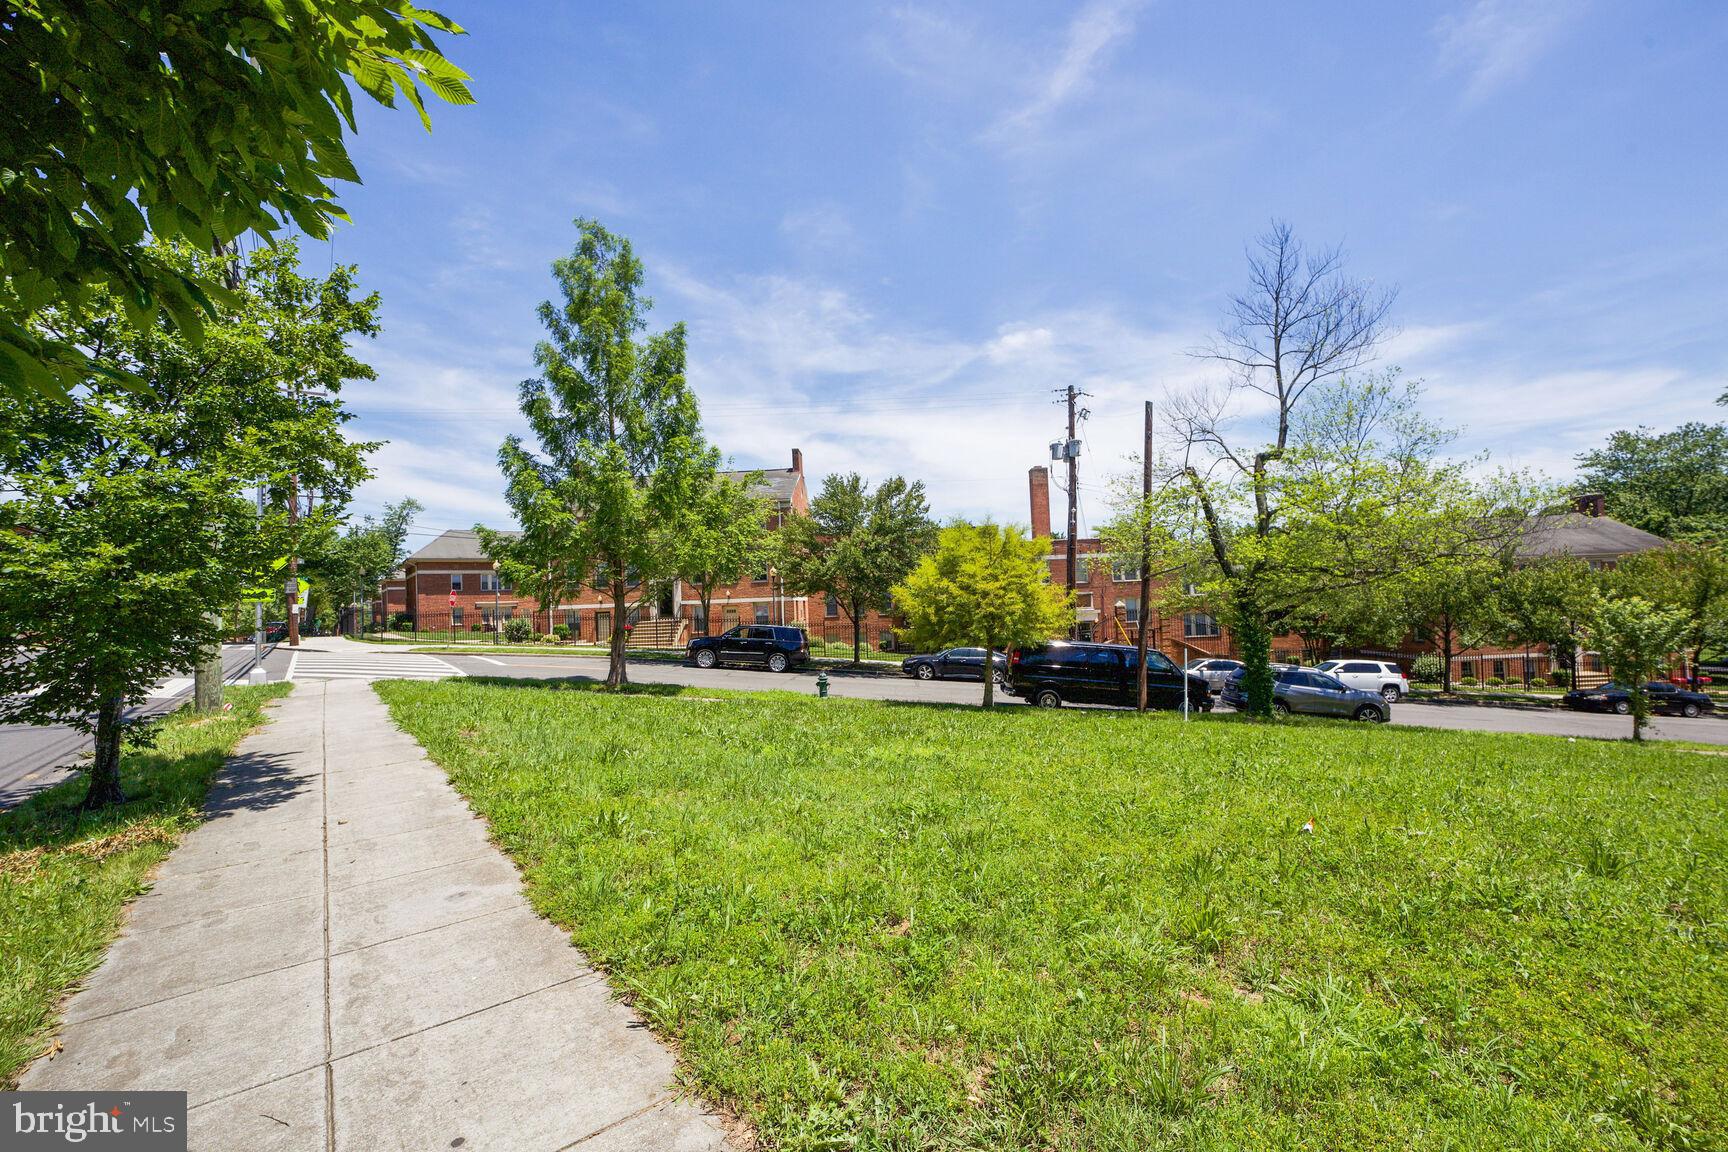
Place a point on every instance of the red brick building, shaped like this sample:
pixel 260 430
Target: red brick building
pixel 449 585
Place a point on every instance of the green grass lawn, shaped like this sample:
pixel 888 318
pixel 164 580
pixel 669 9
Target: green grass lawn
pixel 65 877
pixel 879 926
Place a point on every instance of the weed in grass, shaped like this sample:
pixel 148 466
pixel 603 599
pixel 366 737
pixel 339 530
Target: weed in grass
pixel 1603 860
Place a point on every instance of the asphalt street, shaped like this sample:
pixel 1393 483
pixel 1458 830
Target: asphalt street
pixel 33 758
pixel 1549 722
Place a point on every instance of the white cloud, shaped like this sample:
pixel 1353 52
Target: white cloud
pixel 1495 42
pixel 1092 36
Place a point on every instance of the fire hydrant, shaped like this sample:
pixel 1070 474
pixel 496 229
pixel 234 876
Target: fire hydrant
pixel 822 685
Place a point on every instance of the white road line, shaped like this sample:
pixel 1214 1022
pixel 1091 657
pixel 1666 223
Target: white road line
pixel 489 660
pixel 293 662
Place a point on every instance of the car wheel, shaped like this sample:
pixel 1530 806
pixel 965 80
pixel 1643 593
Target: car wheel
pixel 1047 699
pixel 1621 707
pixel 925 672
pixel 1279 708
pixel 1369 712
pixel 777 662
pixel 705 658
pixel 1391 694
pixel 1689 709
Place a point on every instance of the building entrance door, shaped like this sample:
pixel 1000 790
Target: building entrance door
pixel 602 627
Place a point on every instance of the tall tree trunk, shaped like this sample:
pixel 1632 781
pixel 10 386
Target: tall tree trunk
pixel 617 672
pixel 1254 639
pixel 105 768
pixel 707 596
pixel 989 673
pixel 857 635
pixel 1446 661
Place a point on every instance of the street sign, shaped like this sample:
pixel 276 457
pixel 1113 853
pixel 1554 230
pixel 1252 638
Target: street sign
pixel 452 599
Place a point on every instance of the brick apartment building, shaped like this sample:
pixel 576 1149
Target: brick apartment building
pixel 1108 601
pixel 449 585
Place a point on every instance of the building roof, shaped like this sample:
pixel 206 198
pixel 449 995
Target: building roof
pixel 454 544
pixel 1586 537
pixel 778 484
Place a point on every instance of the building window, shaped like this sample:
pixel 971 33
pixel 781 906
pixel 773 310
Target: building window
pixel 760 577
pixel 1082 599
pixel 456 617
pixel 1467 668
pixel 1131 609
pixel 491 582
pixel 455 581
pixel 1125 571
pixel 761 613
pixel 1500 669
pixel 831 606
pixel 1199 624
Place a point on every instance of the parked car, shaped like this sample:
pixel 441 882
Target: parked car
pixel 1214 670
pixel 1314 692
pixel 1664 697
pixel 1379 676
pixel 1067 672
pixel 953 664
pixel 776 647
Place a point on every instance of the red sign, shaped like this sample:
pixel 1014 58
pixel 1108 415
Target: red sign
pixel 452 599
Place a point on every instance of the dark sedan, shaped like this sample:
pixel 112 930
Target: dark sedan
pixel 1664 697
pixel 953 664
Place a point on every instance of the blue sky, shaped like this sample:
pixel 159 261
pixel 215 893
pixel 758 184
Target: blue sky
pixel 893 229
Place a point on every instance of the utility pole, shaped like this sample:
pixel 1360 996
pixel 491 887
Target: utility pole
pixel 1069 450
pixel 1146 566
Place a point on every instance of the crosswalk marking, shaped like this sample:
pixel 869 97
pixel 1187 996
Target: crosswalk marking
pixel 311 664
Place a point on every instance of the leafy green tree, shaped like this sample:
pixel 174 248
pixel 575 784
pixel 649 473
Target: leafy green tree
pixel 122 121
pixel 125 517
pixel 1636 639
pixel 1674 484
pixel 856 544
pixel 724 537
pixel 352 565
pixel 1691 579
pixel 1352 494
pixel 986 585
pixel 1548 602
pixel 620 440
pixel 1455 604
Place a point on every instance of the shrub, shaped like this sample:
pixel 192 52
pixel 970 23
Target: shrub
pixel 474 627
pixel 1427 669
pixel 1466 681
pixel 561 632
pixel 1560 678
pixel 401 622
pixel 1496 682
pixel 517 631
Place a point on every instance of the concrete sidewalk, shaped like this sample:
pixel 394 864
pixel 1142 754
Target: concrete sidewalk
pixel 339 959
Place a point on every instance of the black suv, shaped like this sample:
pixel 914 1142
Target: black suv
pixel 776 647
pixel 1065 672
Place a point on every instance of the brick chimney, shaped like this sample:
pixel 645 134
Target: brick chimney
pixel 798 461
pixel 1039 479
pixel 1590 503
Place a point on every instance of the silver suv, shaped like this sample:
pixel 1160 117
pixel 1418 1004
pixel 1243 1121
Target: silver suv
pixel 1215 670
pixel 1370 676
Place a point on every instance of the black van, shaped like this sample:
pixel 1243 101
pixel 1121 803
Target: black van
pixel 1065 672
